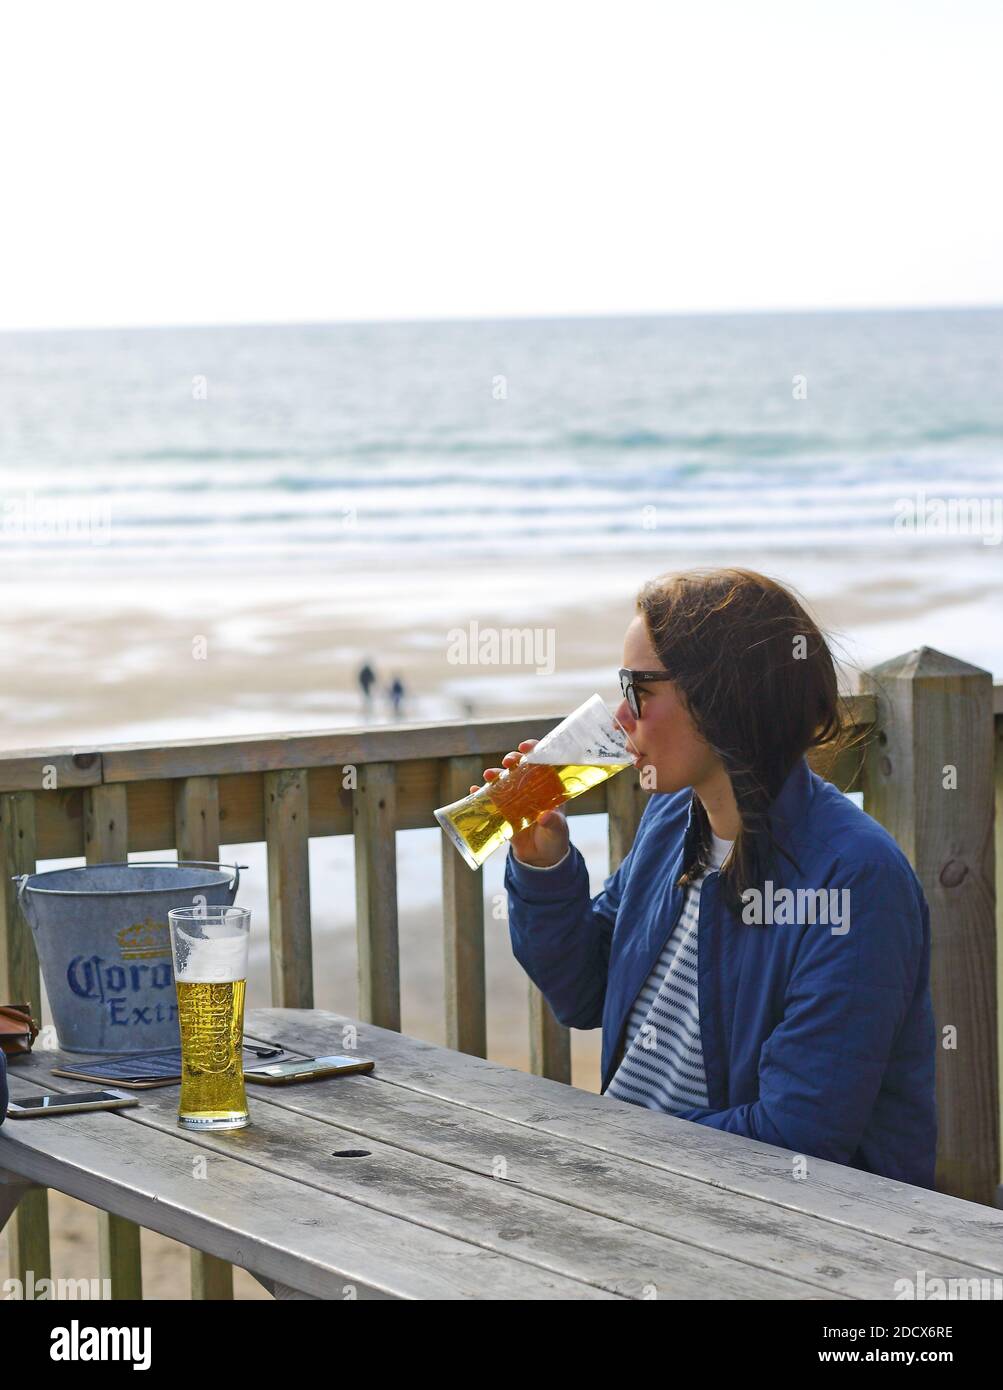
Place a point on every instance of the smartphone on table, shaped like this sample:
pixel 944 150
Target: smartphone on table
pixel 32 1107
pixel 307 1069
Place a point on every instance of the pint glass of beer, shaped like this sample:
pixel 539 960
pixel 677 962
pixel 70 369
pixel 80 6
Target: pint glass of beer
pixel 583 750
pixel 209 945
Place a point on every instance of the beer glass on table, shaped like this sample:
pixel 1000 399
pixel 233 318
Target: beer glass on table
pixel 586 748
pixel 209 945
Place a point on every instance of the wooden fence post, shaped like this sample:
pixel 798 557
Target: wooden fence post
pixel 374 816
pixel 196 835
pixel 28 1228
pixel 549 1041
pixel 998 731
pixel 287 834
pixel 625 803
pixel 463 924
pixel 106 840
pixel 929 781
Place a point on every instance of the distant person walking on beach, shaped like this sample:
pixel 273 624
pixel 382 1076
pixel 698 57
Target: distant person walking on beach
pixel 367 678
pixel 805 1019
pixel 395 694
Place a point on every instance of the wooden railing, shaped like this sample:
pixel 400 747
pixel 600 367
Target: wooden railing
pixel 918 717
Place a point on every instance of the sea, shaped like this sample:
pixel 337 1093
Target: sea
pixel 297 448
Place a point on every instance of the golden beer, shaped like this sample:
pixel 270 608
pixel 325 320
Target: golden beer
pixel 483 821
pixel 211 1016
pixel 584 749
pixel 209 946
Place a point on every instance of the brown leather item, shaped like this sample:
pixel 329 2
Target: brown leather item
pixel 18 1030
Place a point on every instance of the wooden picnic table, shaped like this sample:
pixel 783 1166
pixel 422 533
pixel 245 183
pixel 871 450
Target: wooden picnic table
pixel 470 1180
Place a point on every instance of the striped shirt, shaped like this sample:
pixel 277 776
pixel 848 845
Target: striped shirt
pixel 663 1067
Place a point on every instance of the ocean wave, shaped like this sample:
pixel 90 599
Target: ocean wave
pixel 242 454
pixel 570 441
pixel 955 434
pixel 687 447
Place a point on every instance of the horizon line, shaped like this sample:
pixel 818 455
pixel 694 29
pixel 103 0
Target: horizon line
pixel 509 318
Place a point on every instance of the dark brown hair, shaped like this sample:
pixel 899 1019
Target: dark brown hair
pixel 760 684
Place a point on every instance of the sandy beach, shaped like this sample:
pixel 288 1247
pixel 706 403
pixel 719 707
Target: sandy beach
pixel 214 655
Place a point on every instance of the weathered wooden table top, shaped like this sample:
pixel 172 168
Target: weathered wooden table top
pixel 478 1181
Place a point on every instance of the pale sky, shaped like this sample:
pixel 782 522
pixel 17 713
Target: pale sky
pixel 218 162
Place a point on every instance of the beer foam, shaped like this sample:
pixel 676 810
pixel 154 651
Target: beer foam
pixel 588 736
pixel 217 955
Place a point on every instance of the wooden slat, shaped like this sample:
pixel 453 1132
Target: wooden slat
pixel 196 818
pixel 463 924
pixel 52 770
pixel 12 1189
pixel 119 1255
pixel 59 824
pixel 935 714
pixel 998 778
pixel 28 1228
pixel 106 838
pixel 625 803
pixel 19 976
pixel 287 830
pixel 28 1237
pixel 376 895
pixel 211 1277
pixel 843 768
pixel 331 800
pixel 152 816
pixel 326 748
pixel 549 1041
pixel 21 769
pixel 131 762
pixel 106 825
pixel 195 803
pixel 843 764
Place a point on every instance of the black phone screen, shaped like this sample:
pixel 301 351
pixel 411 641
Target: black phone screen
pixel 57 1102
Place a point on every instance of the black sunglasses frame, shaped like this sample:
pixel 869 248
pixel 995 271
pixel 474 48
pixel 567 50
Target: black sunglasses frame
pixel 629 678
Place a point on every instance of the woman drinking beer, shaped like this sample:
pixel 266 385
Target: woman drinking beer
pixel 759 962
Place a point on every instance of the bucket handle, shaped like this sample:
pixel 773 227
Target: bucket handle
pixel 193 864
pixel 22 882
pixel 22 879
pixel 215 864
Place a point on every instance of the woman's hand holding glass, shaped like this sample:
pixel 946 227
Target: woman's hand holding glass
pixel 544 843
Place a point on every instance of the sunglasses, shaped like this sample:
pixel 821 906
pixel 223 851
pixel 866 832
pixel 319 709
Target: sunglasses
pixel 628 679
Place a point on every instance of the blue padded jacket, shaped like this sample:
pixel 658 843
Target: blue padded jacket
pixel 817 1037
